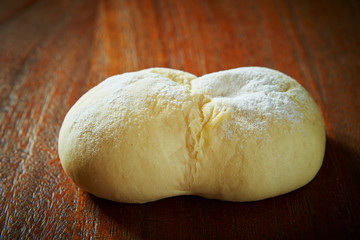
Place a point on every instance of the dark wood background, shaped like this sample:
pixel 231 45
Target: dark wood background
pixel 52 52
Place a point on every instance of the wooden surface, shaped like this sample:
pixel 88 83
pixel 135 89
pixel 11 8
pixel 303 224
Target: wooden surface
pixel 52 52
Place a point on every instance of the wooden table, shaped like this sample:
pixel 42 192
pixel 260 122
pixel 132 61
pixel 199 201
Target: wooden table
pixel 51 52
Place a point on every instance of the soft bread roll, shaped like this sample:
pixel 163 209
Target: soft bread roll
pixel 239 135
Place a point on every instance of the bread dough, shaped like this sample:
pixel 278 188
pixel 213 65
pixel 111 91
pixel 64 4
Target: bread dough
pixel 239 135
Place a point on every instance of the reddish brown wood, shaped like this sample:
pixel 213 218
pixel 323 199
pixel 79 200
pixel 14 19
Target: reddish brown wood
pixel 52 52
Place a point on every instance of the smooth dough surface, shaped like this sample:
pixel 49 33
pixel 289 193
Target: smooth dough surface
pixel 239 135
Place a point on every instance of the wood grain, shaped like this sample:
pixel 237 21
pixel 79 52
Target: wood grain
pixel 52 52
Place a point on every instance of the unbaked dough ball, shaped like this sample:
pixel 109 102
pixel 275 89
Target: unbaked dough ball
pixel 239 135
